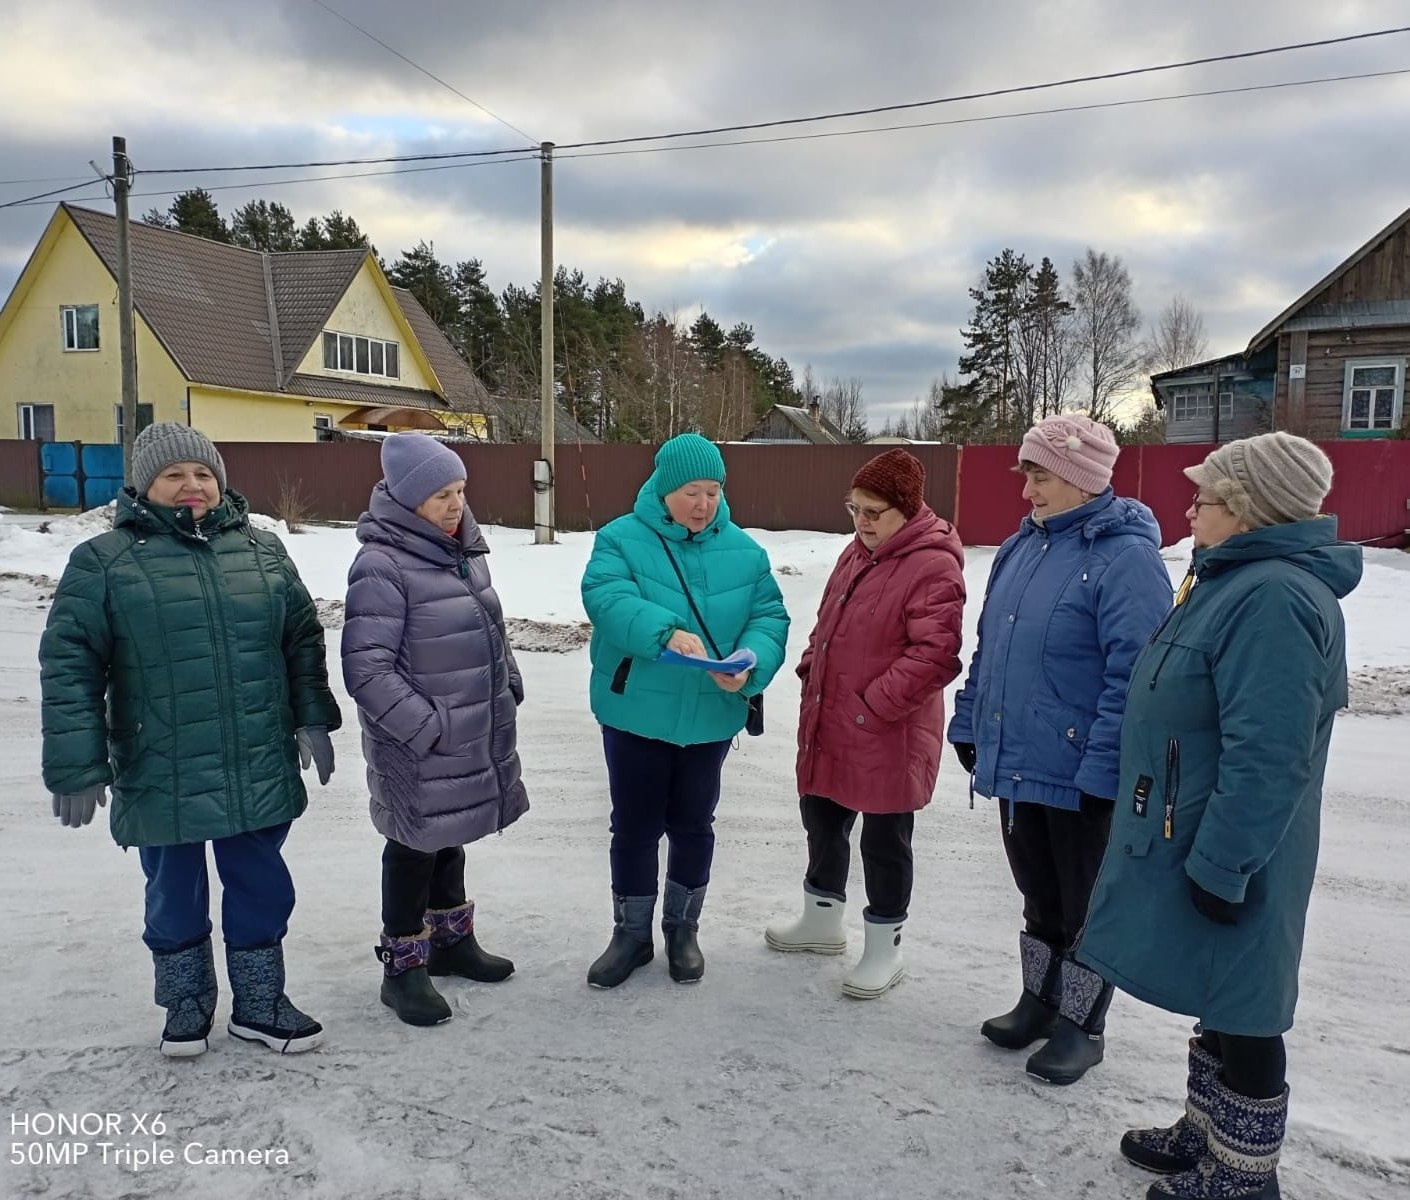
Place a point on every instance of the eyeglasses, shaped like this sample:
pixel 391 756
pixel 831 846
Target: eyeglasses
pixel 1198 504
pixel 871 514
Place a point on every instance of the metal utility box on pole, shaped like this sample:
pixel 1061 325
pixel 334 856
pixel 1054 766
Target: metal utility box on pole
pixel 127 338
pixel 543 469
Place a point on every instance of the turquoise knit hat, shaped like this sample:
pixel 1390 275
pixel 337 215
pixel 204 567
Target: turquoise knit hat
pixel 685 457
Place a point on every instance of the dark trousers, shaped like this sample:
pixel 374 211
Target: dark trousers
pixel 415 880
pixel 661 788
pixel 887 862
pixel 1252 1066
pixel 257 892
pixel 1055 855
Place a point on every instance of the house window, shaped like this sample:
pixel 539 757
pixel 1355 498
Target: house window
pixel 360 355
pixel 80 323
pixel 144 418
pixel 1226 406
pixel 36 422
pixel 322 427
pixel 1374 394
pixel 1193 406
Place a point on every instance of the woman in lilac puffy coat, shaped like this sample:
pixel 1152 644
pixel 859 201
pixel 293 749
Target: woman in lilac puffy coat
pixel 427 659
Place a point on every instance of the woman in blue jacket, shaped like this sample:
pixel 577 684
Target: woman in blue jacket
pixel 1072 598
pixel 675 573
pixel 1203 895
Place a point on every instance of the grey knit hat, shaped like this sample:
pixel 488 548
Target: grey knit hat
pixel 165 442
pixel 416 467
pixel 1270 479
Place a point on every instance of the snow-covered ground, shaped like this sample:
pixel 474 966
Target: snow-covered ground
pixel 760 1082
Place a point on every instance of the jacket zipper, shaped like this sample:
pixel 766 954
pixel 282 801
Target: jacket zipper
pixel 463 570
pixel 1172 784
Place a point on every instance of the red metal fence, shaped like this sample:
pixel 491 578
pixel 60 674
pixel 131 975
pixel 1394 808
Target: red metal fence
pixel 770 486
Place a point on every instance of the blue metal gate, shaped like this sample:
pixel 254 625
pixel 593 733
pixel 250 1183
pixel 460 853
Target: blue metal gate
pixel 79 476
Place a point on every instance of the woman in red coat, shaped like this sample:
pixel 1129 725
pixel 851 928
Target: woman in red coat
pixel 885 646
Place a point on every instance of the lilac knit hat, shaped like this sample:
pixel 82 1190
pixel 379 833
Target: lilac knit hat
pixel 416 467
pixel 1074 448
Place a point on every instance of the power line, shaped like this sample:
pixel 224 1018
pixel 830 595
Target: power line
pixel 419 67
pixel 991 94
pixel 1032 112
pixel 42 179
pixel 73 187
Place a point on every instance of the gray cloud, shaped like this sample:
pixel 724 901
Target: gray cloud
pixel 852 253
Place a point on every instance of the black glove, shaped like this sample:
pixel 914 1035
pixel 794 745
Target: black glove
pixel 1095 806
pixel 967 754
pixel 1213 908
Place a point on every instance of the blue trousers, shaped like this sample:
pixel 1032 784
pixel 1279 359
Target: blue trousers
pixel 257 891
pixel 661 788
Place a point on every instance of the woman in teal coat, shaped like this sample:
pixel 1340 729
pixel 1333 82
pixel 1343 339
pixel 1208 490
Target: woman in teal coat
pixel 183 666
pixel 1203 893
pixel 673 574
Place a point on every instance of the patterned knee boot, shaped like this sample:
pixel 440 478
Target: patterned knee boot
pixel 1077 1043
pixel 406 986
pixel 1180 1146
pixel 186 988
pixel 260 1011
pixel 1241 1162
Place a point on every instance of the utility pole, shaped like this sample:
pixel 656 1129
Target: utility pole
pixel 543 469
pixel 127 348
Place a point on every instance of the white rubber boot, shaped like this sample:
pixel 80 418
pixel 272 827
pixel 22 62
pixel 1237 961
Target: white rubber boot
pixel 880 967
pixel 818 931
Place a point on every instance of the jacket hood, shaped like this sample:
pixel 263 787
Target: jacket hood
pixel 1106 515
pixel 650 509
pixel 1311 545
pixel 924 531
pixel 391 524
pixel 145 517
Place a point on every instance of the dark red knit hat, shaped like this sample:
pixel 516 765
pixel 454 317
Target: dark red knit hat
pixel 895 476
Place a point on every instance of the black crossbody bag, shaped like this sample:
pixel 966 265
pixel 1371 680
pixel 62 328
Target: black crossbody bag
pixel 754 723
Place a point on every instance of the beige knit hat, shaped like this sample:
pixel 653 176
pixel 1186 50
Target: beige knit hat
pixel 1271 479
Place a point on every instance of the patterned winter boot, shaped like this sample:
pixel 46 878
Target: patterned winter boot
pixel 186 988
pixel 454 950
pixel 1036 1012
pixel 630 946
pixel 680 921
pixel 260 1011
pixel 1180 1146
pixel 406 986
pixel 1076 1044
pixel 1241 1163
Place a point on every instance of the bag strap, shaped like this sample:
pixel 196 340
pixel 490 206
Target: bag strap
pixel 685 587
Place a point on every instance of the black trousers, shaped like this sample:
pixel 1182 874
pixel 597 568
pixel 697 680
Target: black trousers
pixel 1055 855
pixel 415 880
pixel 661 789
pixel 1252 1066
pixel 887 862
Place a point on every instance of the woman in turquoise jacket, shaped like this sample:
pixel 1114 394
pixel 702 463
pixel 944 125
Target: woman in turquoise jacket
pixel 673 574
pixel 1202 897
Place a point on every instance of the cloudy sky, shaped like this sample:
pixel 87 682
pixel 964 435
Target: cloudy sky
pixel 850 253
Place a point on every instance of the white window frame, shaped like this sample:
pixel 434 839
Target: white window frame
pixel 117 421
pixel 27 429
pixel 353 347
pixel 68 320
pixel 1191 406
pixel 1226 406
pixel 1397 402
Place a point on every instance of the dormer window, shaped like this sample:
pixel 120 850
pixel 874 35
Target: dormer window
pixel 361 355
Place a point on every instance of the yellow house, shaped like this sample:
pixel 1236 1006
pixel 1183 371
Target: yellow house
pixel 244 345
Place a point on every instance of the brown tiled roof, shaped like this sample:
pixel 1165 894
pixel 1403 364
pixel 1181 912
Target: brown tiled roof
pixel 211 305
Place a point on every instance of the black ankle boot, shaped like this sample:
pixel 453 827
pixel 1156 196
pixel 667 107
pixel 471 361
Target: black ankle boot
pixel 466 959
pixel 406 987
pixel 1028 1021
pixel 680 919
pixel 1076 1045
pixel 624 954
pixel 683 957
pixel 630 946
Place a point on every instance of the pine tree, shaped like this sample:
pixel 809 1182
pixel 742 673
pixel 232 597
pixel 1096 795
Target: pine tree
pixel 992 339
pixel 260 225
pixel 194 212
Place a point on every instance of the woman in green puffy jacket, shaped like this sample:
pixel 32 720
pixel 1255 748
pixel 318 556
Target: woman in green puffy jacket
pixel 183 666
pixel 675 574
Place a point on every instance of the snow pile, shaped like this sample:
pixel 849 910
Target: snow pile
pixel 1380 691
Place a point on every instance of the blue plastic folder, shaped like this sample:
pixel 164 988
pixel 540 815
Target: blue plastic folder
pixel 740 660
